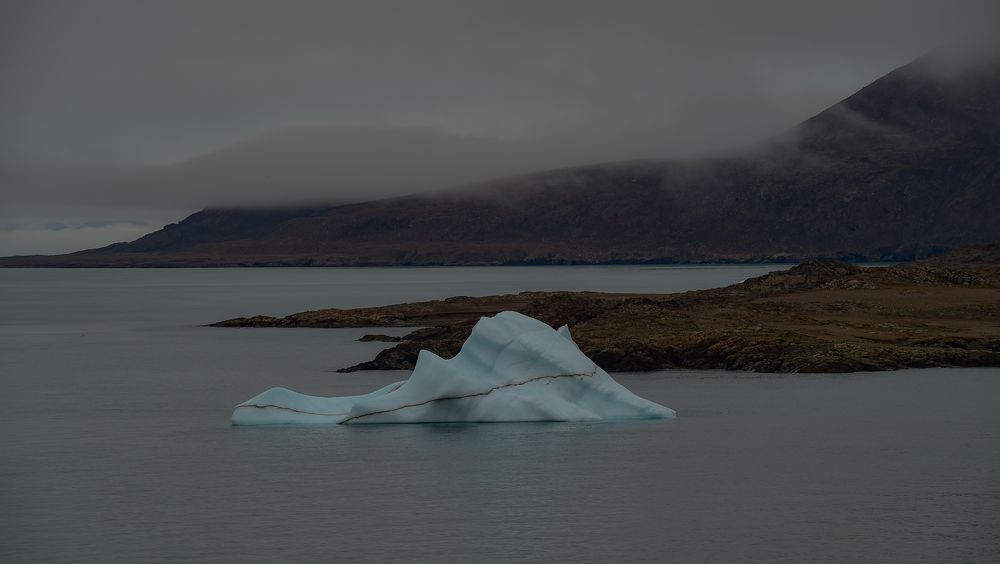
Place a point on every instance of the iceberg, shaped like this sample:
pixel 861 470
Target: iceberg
pixel 511 368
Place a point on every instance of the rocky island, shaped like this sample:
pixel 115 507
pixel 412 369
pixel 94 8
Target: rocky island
pixel 814 317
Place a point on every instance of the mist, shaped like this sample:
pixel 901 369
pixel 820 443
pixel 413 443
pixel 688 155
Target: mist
pixel 130 111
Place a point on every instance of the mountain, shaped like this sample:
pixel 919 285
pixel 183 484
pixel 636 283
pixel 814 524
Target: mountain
pixel 906 167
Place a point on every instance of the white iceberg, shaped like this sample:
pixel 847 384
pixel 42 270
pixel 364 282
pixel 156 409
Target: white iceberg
pixel 512 368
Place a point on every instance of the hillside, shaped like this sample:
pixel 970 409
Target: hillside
pixel 906 167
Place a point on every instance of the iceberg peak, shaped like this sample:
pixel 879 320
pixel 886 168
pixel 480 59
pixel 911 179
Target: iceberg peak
pixel 511 368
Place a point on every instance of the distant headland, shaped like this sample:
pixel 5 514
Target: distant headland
pixel 814 317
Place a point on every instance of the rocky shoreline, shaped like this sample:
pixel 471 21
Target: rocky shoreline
pixel 815 317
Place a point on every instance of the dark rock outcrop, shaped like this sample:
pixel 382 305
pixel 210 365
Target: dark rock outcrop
pixel 379 338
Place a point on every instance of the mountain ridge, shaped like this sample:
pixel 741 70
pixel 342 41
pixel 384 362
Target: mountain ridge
pixel 905 168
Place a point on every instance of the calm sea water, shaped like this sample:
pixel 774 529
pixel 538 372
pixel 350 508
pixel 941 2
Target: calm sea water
pixel 115 443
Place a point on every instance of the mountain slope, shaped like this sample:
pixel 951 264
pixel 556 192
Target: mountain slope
pixel 905 167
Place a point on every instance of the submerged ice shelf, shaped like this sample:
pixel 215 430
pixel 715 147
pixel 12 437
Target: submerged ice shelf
pixel 511 368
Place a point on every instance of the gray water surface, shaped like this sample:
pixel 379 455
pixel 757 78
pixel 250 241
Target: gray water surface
pixel 115 443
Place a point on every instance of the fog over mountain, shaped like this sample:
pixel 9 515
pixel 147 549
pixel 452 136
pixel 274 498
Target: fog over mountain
pixel 119 116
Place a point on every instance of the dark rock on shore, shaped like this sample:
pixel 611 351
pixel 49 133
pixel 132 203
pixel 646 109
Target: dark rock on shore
pixel 379 338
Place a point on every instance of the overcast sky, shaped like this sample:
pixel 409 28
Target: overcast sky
pixel 174 105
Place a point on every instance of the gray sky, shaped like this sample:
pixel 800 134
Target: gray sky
pixel 116 116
